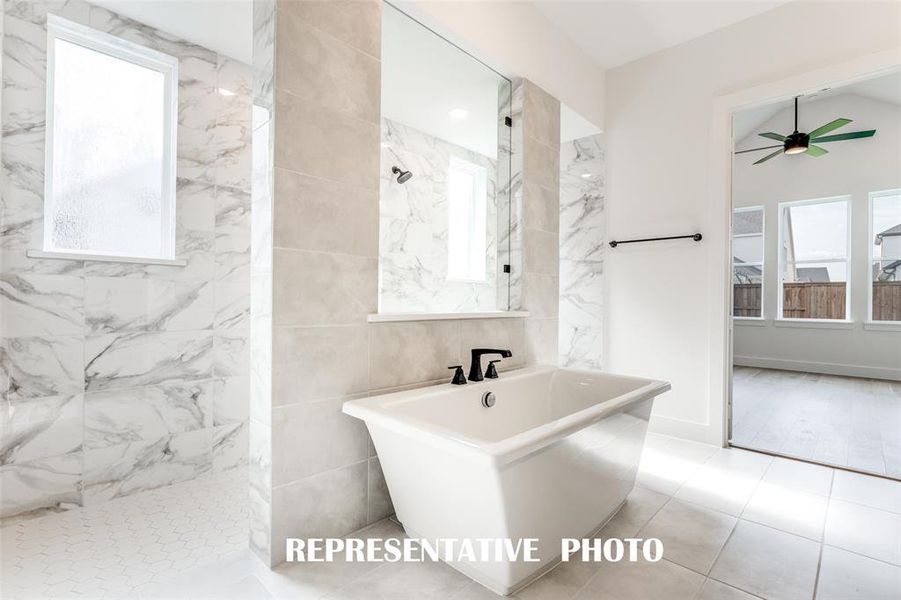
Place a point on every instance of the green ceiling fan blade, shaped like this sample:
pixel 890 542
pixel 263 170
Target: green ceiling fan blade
pixel 816 151
pixel 757 149
pixel 768 157
pixel 844 136
pixel 773 136
pixel 832 126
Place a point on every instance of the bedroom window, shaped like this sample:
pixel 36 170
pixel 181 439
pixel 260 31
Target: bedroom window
pixel 110 145
pixel 747 262
pixel 885 256
pixel 814 259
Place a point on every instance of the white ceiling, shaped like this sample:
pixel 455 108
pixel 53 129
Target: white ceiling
pixel 885 89
pixel 424 77
pixel 620 31
pixel 224 26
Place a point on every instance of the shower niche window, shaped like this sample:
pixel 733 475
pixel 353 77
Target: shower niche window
pixel 444 207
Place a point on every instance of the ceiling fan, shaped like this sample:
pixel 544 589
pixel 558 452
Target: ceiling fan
pixel 803 143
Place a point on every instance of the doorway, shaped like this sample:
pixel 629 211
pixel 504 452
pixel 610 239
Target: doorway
pixel 816 283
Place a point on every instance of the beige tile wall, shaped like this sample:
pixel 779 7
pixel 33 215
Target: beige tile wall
pixel 325 477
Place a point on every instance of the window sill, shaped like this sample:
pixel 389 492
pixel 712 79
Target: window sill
pixel 882 325
pixel 105 258
pixel 749 321
pixel 814 323
pixel 496 314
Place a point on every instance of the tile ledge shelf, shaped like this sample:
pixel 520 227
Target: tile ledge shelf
pixel 174 262
pixel 496 314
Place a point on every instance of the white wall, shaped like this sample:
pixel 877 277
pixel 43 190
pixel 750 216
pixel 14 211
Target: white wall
pixel 517 40
pixel 855 169
pixel 659 119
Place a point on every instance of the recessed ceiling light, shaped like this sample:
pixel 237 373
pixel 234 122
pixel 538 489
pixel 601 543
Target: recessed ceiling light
pixel 226 92
pixel 586 175
pixel 385 145
pixel 458 114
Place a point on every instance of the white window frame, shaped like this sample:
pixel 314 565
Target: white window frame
pixel 480 183
pixel 74 33
pixel 871 259
pixel 782 259
pixel 762 234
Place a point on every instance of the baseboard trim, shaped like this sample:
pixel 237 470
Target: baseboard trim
pixel 818 367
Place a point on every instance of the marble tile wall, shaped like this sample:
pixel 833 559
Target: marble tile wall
pixel 413 227
pixel 260 451
pixel 118 377
pixel 582 244
pixel 312 345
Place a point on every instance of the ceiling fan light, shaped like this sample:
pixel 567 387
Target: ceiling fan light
pixel 797 143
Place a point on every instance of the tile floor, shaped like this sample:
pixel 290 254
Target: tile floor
pixel 735 525
pixel 842 421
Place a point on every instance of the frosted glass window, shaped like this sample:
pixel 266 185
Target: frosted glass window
pixel 467 233
pixel 110 184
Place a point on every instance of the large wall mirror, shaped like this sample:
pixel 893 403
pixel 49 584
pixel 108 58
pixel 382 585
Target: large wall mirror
pixel 444 216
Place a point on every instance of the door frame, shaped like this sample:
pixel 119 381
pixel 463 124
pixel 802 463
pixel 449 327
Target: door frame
pixel 720 203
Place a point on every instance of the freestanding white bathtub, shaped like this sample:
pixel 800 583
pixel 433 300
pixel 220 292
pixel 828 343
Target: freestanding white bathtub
pixel 553 458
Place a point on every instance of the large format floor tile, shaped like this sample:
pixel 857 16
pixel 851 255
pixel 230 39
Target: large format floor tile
pixel 864 530
pixel 726 481
pixel 768 563
pixel 848 576
pixel 790 510
pixel 642 581
pixel 692 535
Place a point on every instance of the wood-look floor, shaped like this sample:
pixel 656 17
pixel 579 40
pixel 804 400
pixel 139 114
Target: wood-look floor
pixel 835 420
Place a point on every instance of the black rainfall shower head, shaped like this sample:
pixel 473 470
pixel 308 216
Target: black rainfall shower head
pixel 402 176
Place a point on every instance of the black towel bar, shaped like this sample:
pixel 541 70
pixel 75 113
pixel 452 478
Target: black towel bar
pixel 695 236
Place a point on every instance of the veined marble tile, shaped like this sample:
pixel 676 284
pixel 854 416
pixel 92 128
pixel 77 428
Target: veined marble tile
pixel 264 15
pixel 582 221
pixel 231 353
pixel 197 103
pixel 43 366
pixel 231 400
pixel 146 413
pixel 193 246
pixel 232 244
pixel 24 72
pixel 230 446
pixel 195 205
pixel 138 359
pixel 23 192
pixel 47 484
pixel 582 249
pixel 232 305
pixel 34 305
pixel 16 262
pixel 117 304
pixel 414 225
pixel 196 154
pixel 234 76
pixel 37 12
pixel 133 467
pixel 195 62
pixel 37 428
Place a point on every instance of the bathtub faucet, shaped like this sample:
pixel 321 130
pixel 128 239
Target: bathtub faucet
pixel 475 368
